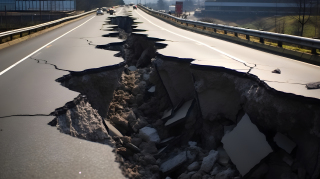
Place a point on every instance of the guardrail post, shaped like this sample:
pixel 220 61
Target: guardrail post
pixel 11 37
pixel 248 37
pixel 314 51
pixel 215 30
pixel 186 24
pixel 225 32
pixel 261 40
pixel 0 40
pixel 194 26
pixel 204 28
pixel 236 34
pixel 20 34
pixel 279 44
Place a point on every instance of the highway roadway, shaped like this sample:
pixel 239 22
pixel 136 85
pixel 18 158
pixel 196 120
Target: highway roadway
pixel 215 52
pixel 29 148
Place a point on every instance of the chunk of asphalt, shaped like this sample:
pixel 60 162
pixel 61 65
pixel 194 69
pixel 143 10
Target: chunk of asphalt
pixel 313 85
pixel 112 130
pixel 278 71
pixel 149 134
pixel 246 145
pixel 174 162
pixel 180 114
pixel 167 113
pixel 132 68
pixel 152 89
pixel 284 142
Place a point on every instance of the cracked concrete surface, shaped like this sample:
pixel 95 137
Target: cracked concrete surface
pixel 224 87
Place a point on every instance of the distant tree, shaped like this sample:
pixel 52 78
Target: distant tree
pixel 303 12
pixel 161 5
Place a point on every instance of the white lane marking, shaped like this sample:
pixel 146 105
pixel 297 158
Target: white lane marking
pixel 224 53
pixel 220 50
pixel 7 69
pixel 120 10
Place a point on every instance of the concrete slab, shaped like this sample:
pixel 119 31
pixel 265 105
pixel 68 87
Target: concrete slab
pixel 180 113
pixel 246 145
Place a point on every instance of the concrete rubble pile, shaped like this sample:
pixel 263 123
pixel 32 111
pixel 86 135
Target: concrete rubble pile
pixel 169 118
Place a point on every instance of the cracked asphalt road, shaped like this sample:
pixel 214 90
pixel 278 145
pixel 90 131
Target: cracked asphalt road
pixel 29 148
pixel 215 52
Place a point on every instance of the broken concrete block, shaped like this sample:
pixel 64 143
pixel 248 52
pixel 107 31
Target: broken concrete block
pixel 208 161
pixel 194 166
pixel 225 174
pixel 174 162
pixel 152 89
pixel 132 68
pixel 180 113
pixel 167 113
pixel 278 71
pixel 146 77
pixel 284 142
pixel 216 169
pixel 112 130
pixel 191 143
pixel 313 85
pixel 246 145
pixel 149 134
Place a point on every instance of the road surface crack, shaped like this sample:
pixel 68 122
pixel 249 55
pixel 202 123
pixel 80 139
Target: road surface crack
pixel 46 62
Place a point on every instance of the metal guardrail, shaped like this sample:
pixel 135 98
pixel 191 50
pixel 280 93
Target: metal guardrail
pixel 36 27
pixel 280 38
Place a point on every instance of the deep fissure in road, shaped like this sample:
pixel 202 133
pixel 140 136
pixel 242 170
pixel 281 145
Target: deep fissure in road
pixel 170 118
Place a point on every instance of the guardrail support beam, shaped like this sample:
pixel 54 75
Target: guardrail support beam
pixel 20 34
pixel 261 40
pixel 279 44
pixel 248 37
pixel 236 34
pixel 11 37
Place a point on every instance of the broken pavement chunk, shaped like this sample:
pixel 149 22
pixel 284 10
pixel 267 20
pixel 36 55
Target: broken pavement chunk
pixel 152 89
pixel 246 145
pixel 132 68
pixel 173 163
pixel 284 142
pixel 278 71
pixel 180 114
pixel 208 161
pixel 167 113
pixel 149 134
pixel 313 85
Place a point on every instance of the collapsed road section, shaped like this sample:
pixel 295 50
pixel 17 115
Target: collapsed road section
pixel 171 117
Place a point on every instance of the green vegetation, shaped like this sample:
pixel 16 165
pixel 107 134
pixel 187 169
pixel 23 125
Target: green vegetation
pixel 278 24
